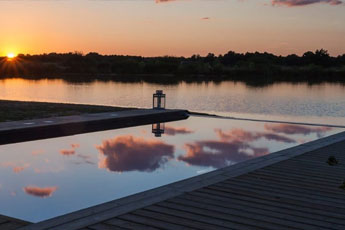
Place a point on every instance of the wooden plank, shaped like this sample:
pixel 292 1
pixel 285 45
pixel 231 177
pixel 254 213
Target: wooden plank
pixel 327 172
pixel 308 208
pixel 151 222
pixel 279 198
pixel 243 222
pixel 10 226
pixel 104 226
pixel 218 223
pixel 329 188
pixel 265 209
pixel 308 192
pixel 270 204
pixel 332 187
pixel 299 176
pixel 156 213
pixel 285 193
pixel 128 224
pixel 316 167
pixel 247 212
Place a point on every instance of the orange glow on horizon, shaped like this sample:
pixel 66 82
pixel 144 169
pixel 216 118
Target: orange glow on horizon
pixel 11 56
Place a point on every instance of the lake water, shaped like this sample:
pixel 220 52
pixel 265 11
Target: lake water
pixel 322 103
pixel 47 178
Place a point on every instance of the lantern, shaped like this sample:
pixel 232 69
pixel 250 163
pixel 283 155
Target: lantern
pixel 158 129
pixel 159 100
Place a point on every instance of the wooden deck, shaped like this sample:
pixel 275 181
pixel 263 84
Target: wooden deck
pixel 290 189
pixel 9 223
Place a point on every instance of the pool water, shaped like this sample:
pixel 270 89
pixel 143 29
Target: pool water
pixel 47 178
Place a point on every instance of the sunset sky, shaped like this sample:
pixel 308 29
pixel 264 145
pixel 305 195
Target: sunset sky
pixel 171 27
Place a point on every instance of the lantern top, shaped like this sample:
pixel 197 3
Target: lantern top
pixel 159 91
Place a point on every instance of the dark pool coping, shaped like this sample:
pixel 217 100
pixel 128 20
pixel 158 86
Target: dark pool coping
pixel 28 130
pixel 85 217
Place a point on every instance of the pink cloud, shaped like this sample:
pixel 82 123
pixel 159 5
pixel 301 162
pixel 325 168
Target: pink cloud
pixel 40 192
pixel 18 169
pixel 304 2
pixel 245 136
pixel 38 152
pixel 74 146
pixel 129 153
pixel 67 152
pixel 296 129
pixel 172 131
pixel 220 153
pixel 164 1
pixel 233 146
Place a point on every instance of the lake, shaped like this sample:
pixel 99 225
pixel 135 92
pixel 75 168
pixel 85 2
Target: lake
pixel 321 103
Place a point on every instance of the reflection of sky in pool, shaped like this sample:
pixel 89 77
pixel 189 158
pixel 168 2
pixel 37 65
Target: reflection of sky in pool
pixel 47 178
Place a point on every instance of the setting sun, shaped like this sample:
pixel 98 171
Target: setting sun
pixel 11 55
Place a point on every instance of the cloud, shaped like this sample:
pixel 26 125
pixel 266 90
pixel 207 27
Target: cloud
pixel 18 169
pixel 40 192
pixel 164 1
pixel 67 152
pixel 75 146
pixel 289 3
pixel 245 136
pixel 233 146
pixel 303 2
pixel 219 154
pixel 172 131
pixel 129 153
pixel 38 152
pixel 296 129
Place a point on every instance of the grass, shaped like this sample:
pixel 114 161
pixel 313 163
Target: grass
pixel 20 110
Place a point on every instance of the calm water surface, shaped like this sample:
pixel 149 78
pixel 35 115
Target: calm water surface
pixel 46 178
pixel 323 103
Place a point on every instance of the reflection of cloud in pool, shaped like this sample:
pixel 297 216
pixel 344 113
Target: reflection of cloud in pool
pixel 297 129
pixel 220 153
pixel 233 146
pixel 76 145
pixel 172 131
pixel 67 152
pixel 245 136
pixel 40 192
pixel 129 153
pixel 18 169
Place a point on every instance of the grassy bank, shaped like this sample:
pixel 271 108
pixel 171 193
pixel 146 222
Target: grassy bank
pixel 19 110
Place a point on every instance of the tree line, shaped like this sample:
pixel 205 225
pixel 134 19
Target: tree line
pixel 311 66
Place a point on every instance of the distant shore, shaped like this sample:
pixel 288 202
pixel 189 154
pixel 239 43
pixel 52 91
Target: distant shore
pixel 252 68
pixel 24 110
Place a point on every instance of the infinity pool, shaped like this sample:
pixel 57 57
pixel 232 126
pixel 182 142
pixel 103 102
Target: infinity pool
pixel 47 178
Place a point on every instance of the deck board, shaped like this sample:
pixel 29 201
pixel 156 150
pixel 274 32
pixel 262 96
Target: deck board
pixel 289 189
pixel 9 223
